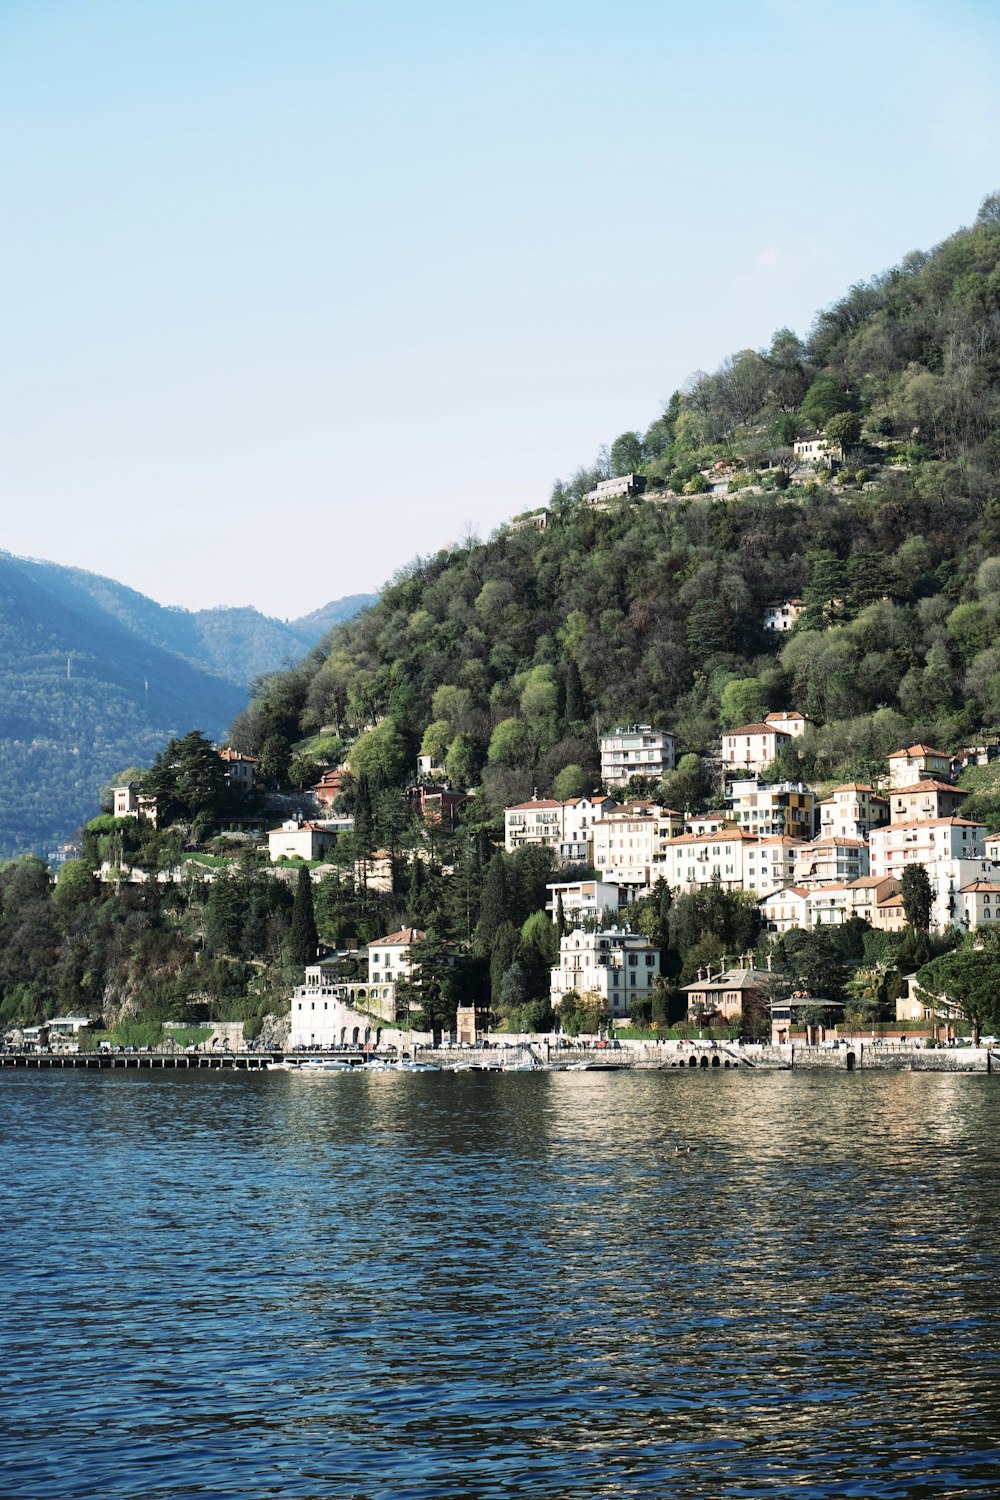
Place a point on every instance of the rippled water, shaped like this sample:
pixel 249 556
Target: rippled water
pixel 496 1285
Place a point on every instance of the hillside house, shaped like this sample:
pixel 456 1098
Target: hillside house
pixel 851 811
pixel 925 799
pixel 389 958
pixel 618 966
pixel 830 859
pixel 128 802
pixel 636 750
pixel 781 614
pixel 769 864
pixel 979 903
pixel 630 843
pixel 752 747
pixel 240 770
pixel 789 721
pixel 772 809
pixel 329 786
pixel 918 763
pixel 583 901
pixel 694 860
pixel 300 838
pixel 732 992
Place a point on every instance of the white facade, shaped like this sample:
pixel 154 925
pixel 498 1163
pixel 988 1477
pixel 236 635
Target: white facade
pixel 752 746
pixel 979 904
pixel 852 811
pixel 832 859
pixel 917 763
pixel 298 840
pixel 636 750
pixel 781 614
pixel 630 844
pixel 618 966
pixel 769 864
pixel 924 842
pixel 389 957
pixel 582 900
pixel 695 860
pixel 539 821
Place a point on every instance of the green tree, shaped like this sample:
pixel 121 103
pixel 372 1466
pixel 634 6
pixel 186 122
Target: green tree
pixel 381 753
pixel 843 427
pixel 915 889
pixel 823 400
pixel 969 978
pixel 302 937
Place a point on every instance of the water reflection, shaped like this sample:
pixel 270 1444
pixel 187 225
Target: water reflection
pixel 486 1285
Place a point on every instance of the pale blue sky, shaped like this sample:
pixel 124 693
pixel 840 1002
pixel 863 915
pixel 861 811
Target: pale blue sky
pixel 292 291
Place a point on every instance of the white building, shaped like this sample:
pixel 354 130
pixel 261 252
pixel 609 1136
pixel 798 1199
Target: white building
pixel 979 903
pixel 851 811
pixel 128 802
pixel 300 839
pixel 389 957
pixel 924 842
pixel 539 821
pixel 582 900
pixel 567 828
pixel 788 720
pixel 630 844
pixel 698 859
pixel 832 858
pixel 781 614
pixel 917 763
pixel 769 864
pixel 636 750
pixel 751 747
pixel 619 966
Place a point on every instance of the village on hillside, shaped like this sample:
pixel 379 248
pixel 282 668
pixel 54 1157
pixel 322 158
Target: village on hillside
pixel 892 851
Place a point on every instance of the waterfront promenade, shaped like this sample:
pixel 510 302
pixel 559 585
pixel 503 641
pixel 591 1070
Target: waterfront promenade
pixel 854 1055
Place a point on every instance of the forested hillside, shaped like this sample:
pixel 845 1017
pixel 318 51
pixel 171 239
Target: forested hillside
pixel 503 657
pixel 94 677
pixel 237 643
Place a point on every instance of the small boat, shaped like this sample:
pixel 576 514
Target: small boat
pixel 519 1065
pixel 317 1065
pixel 406 1065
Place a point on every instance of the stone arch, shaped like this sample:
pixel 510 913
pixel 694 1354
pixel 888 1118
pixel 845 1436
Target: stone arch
pixel 354 1036
pixel 704 1062
pixel 716 1061
pixel 693 1062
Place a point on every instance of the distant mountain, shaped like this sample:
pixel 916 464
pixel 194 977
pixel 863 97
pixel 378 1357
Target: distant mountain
pixel 95 677
pixel 239 643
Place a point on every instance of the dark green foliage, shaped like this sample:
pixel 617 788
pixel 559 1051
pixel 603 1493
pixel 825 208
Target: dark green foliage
pixel 188 781
pixel 302 937
pixel 915 889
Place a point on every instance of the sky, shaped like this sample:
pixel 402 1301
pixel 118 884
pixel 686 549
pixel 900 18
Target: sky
pixel 293 291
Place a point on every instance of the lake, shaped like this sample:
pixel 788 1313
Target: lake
pixel 485 1285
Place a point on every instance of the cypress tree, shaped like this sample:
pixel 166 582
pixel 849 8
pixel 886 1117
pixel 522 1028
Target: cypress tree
pixel 303 937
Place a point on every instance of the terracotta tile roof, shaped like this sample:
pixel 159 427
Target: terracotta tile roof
pixel 854 786
pixel 930 786
pixel 982 885
pixel 914 752
pixel 926 823
pixel 723 836
pixel 537 802
pixel 401 939
pixel 746 729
